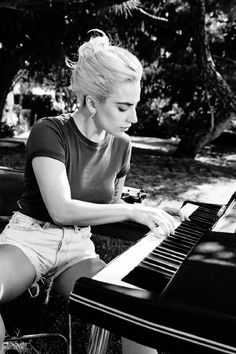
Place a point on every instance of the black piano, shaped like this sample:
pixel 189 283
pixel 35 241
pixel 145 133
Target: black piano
pixel 176 294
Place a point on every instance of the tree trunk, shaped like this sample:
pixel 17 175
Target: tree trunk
pixel 217 87
pixel 9 64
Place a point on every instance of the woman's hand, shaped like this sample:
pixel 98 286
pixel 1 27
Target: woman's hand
pixel 153 217
pixel 176 212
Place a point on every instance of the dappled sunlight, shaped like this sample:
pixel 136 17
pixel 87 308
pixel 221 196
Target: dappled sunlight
pixel 216 191
pixel 170 180
pixel 213 252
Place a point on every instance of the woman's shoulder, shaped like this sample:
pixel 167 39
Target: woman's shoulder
pixel 59 121
pixel 122 143
pixel 125 138
pixel 49 128
pixel 51 125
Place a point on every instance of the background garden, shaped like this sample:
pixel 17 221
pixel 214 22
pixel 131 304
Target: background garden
pixel 188 96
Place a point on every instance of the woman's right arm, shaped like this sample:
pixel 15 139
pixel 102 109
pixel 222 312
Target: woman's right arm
pixel 55 190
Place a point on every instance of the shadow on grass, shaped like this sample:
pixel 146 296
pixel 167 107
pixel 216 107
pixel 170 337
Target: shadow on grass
pixel 164 178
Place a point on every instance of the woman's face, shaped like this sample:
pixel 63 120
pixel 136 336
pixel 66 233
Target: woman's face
pixel 118 112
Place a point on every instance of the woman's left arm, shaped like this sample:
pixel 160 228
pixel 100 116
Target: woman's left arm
pixel 119 185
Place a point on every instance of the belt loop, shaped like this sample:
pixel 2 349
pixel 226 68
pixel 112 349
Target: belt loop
pixel 46 225
pixel 76 229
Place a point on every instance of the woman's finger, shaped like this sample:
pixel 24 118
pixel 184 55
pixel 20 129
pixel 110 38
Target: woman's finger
pixel 152 225
pixel 167 220
pixel 182 215
pixel 176 212
pixel 164 220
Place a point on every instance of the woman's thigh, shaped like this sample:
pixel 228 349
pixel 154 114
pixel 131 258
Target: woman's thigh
pixel 64 283
pixel 16 272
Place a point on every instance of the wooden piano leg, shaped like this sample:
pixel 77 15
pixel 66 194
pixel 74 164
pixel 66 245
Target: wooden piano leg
pixel 98 340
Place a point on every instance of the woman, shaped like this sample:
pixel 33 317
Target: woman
pixel 74 174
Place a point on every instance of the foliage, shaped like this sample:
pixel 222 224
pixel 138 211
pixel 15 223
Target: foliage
pixel 176 82
pixel 172 93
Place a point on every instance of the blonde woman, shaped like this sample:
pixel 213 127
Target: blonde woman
pixel 74 174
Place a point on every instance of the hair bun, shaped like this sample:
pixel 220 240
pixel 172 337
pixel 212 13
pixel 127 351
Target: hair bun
pixel 94 45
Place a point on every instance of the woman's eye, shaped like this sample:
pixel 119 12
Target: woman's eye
pixel 122 109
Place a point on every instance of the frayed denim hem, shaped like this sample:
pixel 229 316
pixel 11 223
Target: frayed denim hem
pixel 34 289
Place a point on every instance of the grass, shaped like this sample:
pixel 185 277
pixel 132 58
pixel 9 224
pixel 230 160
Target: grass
pixel 210 178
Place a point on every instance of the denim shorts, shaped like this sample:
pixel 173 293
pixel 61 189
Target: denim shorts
pixel 50 248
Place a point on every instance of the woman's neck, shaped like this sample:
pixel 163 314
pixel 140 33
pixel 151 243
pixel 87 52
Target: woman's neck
pixel 87 127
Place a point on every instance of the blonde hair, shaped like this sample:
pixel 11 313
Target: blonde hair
pixel 101 66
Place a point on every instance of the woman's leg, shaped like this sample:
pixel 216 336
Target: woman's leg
pixel 64 283
pixel 16 275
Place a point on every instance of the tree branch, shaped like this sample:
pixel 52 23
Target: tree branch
pixel 152 17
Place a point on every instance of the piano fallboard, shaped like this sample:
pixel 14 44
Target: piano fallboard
pixel 151 320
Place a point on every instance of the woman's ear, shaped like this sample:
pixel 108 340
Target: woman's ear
pixel 90 103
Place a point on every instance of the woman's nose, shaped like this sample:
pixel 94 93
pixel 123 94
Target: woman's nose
pixel 133 117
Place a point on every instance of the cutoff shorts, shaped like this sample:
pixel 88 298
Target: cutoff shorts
pixel 51 249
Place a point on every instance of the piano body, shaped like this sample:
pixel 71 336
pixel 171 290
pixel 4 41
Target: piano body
pixel 176 294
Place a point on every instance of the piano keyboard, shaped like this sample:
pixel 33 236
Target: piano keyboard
pixel 161 255
pixel 156 270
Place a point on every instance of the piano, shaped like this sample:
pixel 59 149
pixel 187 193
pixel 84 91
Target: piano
pixel 176 294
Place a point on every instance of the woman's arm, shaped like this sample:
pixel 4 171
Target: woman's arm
pixel 119 185
pixel 55 190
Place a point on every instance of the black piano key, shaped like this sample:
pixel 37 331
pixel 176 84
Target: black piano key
pixel 191 228
pixel 207 211
pixel 191 225
pixel 204 213
pixel 162 251
pixel 183 237
pixel 173 246
pixel 166 257
pixel 157 264
pixel 201 220
pixel 174 252
pixel 183 242
pixel 159 259
pixel 185 234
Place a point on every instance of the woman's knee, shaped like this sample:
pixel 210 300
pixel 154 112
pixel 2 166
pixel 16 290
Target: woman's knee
pixel 64 283
pixel 16 272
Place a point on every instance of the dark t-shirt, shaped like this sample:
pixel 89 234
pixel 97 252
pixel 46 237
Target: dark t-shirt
pixel 92 168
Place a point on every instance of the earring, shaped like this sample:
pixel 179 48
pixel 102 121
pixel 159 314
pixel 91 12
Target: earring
pixel 93 114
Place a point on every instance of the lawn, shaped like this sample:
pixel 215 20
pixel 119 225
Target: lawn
pixel 210 177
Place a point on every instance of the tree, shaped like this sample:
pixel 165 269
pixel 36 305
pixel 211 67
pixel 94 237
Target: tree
pixel 221 99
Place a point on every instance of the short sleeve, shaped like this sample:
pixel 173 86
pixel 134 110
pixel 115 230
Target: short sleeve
pixel 47 139
pixel 126 161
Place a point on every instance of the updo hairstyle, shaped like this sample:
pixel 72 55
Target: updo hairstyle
pixel 100 67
